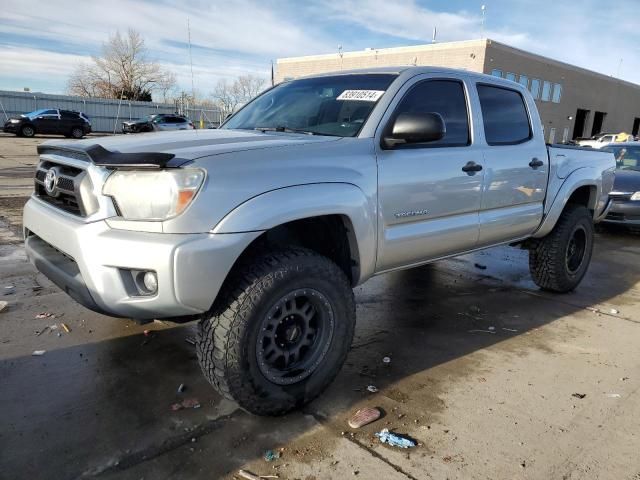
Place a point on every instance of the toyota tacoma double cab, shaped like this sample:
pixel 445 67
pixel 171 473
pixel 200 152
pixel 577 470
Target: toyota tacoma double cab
pixel 260 230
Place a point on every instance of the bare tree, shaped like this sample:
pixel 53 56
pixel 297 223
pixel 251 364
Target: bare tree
pixel 231 95
pixel 122 69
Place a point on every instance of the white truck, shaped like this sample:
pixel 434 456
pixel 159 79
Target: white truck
pixel 260 230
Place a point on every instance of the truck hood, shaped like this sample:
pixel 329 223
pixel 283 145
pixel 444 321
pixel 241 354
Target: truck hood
pixel 189 145
pixel 627 181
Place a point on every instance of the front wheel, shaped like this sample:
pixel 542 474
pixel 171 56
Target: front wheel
pixel 279 332
pixel 559 261
pixel 27 131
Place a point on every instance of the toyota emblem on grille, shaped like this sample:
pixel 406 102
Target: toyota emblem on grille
pixel 51 181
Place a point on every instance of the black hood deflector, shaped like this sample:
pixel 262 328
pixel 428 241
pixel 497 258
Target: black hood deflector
pixel 102 157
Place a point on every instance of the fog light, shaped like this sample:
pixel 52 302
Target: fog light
pixel 150 281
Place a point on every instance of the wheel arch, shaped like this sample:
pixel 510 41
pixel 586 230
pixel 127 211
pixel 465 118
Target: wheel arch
pixel 334 219
pixel 582 187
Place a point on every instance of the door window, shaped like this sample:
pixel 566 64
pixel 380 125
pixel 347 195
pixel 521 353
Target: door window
pixel 445 97
pixel 504 115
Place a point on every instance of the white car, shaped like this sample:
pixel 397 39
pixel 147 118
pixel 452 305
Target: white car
pixel 602 140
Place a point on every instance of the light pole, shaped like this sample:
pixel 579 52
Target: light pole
pixel 483 8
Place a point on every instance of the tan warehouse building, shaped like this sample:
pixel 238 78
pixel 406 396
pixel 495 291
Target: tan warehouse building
pixel 573 102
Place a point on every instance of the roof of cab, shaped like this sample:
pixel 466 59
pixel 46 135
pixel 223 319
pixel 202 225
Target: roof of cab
pixel 410 71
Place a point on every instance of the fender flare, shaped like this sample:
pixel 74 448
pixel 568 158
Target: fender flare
pixel 583 177
pixel 277 207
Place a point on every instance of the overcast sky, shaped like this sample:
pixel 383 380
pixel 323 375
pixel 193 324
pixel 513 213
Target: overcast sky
pixel 41 41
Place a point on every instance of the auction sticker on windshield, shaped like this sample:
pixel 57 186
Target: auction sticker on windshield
pixel 361 95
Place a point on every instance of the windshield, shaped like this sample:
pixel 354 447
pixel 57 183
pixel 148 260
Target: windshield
pixel 627 158
pixel 336 105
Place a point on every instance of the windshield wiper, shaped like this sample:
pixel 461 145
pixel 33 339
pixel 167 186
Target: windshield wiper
pixel 285 129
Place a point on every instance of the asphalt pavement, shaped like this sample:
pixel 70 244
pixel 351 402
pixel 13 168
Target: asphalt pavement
pixel 491 376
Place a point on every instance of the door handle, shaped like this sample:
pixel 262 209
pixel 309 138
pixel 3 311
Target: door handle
pixel 472 167
pixel 535 163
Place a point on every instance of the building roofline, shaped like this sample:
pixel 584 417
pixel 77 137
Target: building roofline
pixel 485 42
pixel 559 63
pixel 387 50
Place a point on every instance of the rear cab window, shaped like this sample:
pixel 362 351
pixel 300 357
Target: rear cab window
pixel 446 97
pixel 504 115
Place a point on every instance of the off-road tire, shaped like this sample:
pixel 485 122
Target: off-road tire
pixel 77 132
pixel 548 256
pixel 227 336
pixel 27 131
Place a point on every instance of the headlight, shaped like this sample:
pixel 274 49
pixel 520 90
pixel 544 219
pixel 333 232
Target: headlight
pixel 153 195
pixel 635 196
pixel 14 120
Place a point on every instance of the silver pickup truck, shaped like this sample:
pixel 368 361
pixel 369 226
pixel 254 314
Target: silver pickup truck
pixel 260 230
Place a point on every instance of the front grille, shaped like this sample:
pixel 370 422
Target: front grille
pixel 618 217
pixel 66 195
pixel 620 196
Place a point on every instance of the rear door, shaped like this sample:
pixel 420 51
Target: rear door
pixel 68 120
pixel 516 165
pixel 428 206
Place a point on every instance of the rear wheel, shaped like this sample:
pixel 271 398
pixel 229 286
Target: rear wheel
pixel 559 261
pixel 77 132
pixel 27 131
pixel 279 332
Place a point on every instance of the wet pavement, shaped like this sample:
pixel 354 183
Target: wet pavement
pixel 482 374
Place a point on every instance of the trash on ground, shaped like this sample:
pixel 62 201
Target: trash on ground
pixel 271 455
pixel 394 439
pixel 386 359
pixel 250 476
pixel 45 315
pixel 613 395
pixel 186 403
pixel 614 311
pixel 480 266
pixel 65 327
pixel 491 328
pixel 623 379
pixel 364 416
pixel 3 305
pixel 9 290
pixel 509 329
pixel 181 388
pixel 579 395
pixel 190 340
pixel 372 388
pixel 146 333
pixel 481 331
pixel 38 353
pixel 38 333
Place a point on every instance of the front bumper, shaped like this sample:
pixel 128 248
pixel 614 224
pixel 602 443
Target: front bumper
pixel 10 127
pixel 624 212
pixel 92 263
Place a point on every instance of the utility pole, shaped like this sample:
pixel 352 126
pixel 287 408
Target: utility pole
pixel 483 8
pixel 435 32
pixel 340 54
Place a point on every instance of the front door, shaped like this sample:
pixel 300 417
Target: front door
pixel 516 166
pixel 428 205
pixel 47 122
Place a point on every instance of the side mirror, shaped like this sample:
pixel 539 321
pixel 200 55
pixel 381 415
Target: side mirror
pixel 415 128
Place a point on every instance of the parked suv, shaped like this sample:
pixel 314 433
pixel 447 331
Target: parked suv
pixel 260 229
pixel 158 122
pixel 49 121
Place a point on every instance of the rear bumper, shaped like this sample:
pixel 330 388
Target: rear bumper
pixel 624 212
pixel 93 263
